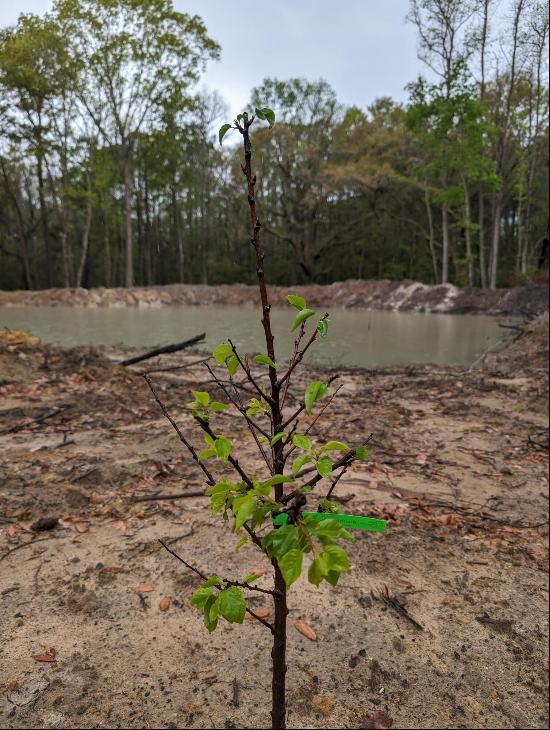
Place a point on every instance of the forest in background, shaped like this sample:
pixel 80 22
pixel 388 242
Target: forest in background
pixel 111 173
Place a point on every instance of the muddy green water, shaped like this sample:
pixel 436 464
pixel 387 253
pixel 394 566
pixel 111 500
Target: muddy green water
pixel 357 338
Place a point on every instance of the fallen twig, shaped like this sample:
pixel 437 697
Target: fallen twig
pixel 164 350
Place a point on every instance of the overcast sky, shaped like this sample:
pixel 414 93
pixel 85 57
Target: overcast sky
pixel 363 48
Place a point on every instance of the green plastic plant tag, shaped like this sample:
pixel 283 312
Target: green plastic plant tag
pixel 352 522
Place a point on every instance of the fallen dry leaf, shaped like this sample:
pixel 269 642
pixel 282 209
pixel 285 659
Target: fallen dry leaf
pixel 379 719
pixel 305 630
pixel 323 704
pixel 258 572
pixel 260 612
pixel 48 657
pixel 165 603
pixel 121 525
pixel 143 588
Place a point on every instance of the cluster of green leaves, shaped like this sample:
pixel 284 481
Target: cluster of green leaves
pixel 304 313
pixel 289 543
pixel 263 113
pixel 228 603
pixel 246 503
pixel 309 454
pixel 203 406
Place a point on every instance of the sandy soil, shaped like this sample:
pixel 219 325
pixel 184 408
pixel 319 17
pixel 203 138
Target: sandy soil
pixel 528 300
pixel 458 467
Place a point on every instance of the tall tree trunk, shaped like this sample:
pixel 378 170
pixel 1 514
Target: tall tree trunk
pixel 481 201
pixel 146 202
pixel 432 235
pixel 495 244
pixel 468 232
pixel 128 220
pixel 44 219
pixel 85 239
pixel 446 243
pixel 176 222
pixel 481 240
pixel 65 258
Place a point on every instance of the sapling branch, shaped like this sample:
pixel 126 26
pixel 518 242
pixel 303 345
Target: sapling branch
pixel 231 459
pixel 250 379
pixel 226 582
pixel 210 479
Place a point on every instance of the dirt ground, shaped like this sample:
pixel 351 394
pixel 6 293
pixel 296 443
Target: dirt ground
pixel 458 466
pixel 528 301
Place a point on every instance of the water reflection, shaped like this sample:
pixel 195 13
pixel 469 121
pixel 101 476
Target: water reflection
pixel 357 338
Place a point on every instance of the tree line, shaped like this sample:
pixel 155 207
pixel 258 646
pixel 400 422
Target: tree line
pixel 111 172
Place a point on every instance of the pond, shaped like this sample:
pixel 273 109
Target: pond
pixel 357 338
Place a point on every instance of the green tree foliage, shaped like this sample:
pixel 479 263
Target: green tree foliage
pixel 111 171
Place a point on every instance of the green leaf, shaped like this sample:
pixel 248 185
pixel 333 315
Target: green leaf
pixel 298 463
pixel 297 302
pixel 216 406
pixel 291 565
pixel 232 605
pixel 277 438
pixel 335 446
pixel 314 392
pixel 223 448
pixel 324 467
pixel 200 597
pixel 361 453
pixel 206 454
pixel 211 611
pixel 266 114
pixel 332 577
pixel 224 129
pixel 244 512
pixel 203 399
pixel 337 558
pixel 301 317
pixel 212 581
pixel 277 479
pixel 222 352
pixel 302 442
pixel 278 542
pixel 232 365
pixel 252 577
pixel 327 505
pixel 264 360
pixel 242 542
pixel 317 570
pixel 322 327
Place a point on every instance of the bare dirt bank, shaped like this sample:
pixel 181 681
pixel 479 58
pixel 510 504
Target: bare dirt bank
pixel 404 296
pixel 459 467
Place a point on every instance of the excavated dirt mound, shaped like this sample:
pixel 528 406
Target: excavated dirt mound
pixel 97 628
pixel 389 295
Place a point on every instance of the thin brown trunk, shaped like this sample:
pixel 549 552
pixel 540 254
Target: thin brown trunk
pixel 482 262
pixel 468 232
pixel 85 240
pixel 446 243
pixel 432 235
pixel 278 653
pixel 44 219
pixel 495 242
pixel 128 220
